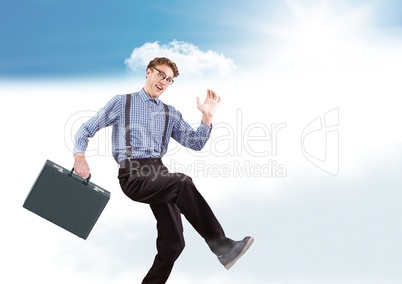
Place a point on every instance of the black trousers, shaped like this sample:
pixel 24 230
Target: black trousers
pixel 170 195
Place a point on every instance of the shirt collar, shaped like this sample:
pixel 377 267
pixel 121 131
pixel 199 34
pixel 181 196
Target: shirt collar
pixel 145 97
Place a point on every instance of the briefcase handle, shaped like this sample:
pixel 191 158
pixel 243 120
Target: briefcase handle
pixel 86 180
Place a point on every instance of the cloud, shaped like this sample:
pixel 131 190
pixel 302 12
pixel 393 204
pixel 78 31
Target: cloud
pixel 188 57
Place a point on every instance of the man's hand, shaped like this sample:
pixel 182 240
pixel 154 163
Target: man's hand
pixel 81 166
pixel 208 108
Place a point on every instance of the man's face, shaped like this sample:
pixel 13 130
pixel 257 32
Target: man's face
pixel 154 84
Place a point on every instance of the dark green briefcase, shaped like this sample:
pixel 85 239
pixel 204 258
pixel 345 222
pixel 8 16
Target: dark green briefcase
pixel 67 200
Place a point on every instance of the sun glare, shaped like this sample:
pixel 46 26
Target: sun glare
pixel 319 34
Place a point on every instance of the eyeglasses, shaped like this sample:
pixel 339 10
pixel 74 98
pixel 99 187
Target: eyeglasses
pixel 162 76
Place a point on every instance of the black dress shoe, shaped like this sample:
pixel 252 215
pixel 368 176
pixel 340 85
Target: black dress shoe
pixel 239 248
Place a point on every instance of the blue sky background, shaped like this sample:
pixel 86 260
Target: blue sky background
pixel 327 71
pixel 61 38
pixel 75 38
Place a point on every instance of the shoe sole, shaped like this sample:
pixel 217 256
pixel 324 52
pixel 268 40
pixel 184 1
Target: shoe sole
pixel 243 251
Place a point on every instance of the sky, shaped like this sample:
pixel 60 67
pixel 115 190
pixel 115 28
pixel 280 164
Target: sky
pixel 304 156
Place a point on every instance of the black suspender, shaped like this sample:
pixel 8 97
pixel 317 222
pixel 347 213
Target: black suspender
pixel 127 127
pixel 165 130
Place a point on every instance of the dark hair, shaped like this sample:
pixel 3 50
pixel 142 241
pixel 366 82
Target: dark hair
pixel 164 61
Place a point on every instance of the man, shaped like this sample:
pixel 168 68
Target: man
pixel 142 126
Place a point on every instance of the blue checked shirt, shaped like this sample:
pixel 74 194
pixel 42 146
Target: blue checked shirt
pixel 147 122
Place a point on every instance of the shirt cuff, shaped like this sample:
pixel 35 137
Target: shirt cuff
pixel 76 150
pixel 205 127
pixel 205 130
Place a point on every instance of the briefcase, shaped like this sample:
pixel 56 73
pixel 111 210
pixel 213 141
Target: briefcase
pixel 67 200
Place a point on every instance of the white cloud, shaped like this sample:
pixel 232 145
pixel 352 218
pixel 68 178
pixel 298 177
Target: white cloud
pixel 188 57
